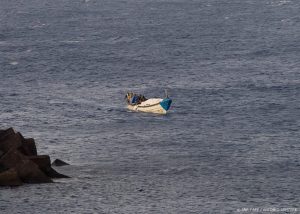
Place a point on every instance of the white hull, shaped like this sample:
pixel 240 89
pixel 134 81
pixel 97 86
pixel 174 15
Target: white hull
pixel 151 105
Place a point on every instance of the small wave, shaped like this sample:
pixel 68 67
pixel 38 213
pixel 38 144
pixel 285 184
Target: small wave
pixel 119 39
pixel 14 63
pixel 280 2
pixel 54 102
pixel 70 41
pixel 39 25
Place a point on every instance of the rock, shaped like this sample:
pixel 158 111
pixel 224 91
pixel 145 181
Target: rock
pixel 30 143
pixel 52 173
pixel 20 163
pixel 10 178
pixel 12 158
pixel 3 133
pixel 59 162
pixel 3 168
pixel 28 171
pixel 28 147
pixel 10 140
pixel 43 161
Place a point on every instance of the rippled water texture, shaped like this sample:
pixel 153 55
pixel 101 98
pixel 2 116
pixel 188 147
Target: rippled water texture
pixel 231 140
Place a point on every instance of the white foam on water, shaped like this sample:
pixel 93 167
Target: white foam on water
pixel 280 2
pixel 14 63
pixel 38 25
pixel 70 41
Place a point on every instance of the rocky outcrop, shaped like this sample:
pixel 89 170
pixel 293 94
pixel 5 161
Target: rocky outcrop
pixel 59 162
pixel 44 163
pixel 28 147
pixel 20 163
pixel 10 177
pixel 10 139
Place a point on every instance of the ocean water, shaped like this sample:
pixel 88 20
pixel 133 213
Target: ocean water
pixel 230 140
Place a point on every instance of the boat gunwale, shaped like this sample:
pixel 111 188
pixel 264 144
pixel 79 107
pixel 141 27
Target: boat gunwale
pixel 139 105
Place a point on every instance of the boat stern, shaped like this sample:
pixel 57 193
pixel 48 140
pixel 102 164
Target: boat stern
pixel 166 103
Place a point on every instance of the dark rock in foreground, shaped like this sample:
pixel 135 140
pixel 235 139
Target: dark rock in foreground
pixel 19 162
pixel 43 161
pixel 27 170
pixel 59 162
pixel 28 147
pixel 10 177
pixel 10 139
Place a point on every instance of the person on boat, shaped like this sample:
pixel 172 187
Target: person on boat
pixel 141 99
pixel 134 99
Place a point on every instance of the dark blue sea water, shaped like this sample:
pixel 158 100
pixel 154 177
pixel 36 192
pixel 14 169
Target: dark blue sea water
pixel 230 140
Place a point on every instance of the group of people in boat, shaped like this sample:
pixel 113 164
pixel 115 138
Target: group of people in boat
pixel 134 99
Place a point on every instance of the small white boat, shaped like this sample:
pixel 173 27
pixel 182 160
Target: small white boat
pixel 153 105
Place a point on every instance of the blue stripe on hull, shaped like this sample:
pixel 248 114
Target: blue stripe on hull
pixel 166 103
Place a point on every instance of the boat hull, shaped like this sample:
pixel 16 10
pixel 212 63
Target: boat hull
pixel 154 105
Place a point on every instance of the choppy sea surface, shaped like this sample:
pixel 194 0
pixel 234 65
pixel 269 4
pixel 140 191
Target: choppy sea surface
pixel 230 140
